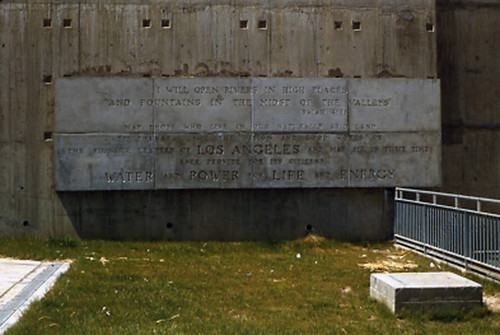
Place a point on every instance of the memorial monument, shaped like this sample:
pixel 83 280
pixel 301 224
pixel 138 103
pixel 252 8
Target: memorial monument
pixel 196 120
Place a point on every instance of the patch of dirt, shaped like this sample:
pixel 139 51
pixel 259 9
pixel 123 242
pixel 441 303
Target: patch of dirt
pixel 313 239
pixel 388 265
pixel 492 301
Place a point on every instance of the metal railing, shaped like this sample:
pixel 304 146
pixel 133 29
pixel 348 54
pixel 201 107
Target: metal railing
pixel 451 227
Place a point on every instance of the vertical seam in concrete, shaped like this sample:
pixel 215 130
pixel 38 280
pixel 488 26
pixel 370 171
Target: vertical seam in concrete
pixel 348 140
pixel 79 37
pixel 155 175
pixel 269 31
pixel 252 133
pixel 315 41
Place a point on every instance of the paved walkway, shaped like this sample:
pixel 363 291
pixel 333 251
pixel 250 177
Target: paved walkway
pixel 22 282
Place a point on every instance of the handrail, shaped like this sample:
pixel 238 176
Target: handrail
pixel 452 195
pixel 479 200
pixel 439 225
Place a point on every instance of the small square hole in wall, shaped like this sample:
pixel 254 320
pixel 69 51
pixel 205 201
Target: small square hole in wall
pixel 262 24
pixel 165 23
pixel 429 27
pixel 47 136
pixel 243 24
pixel 47 23
pixel 146 23
pixel 67 23
pixel 356 25
pixel 47 79
pixel 338 25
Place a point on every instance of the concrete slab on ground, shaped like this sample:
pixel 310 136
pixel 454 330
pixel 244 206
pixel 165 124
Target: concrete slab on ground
pixel 425 290
pixel 21 283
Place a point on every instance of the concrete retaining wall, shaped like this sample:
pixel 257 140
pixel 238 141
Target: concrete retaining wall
pixel 44 40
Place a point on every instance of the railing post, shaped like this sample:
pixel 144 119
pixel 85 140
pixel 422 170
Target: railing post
pixel 425 238
pixel 467 237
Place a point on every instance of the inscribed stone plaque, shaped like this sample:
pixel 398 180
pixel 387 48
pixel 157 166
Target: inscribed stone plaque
pixel 300 160
pixel 209 160
pixel 104 162
pixel 399 105
pixel 209 105
pixel 300 105
pixel 175 133
pixel 386 159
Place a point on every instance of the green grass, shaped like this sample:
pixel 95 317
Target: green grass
pixel 226 288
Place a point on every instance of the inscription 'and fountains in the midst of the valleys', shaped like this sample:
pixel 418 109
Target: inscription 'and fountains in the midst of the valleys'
pixel 245 133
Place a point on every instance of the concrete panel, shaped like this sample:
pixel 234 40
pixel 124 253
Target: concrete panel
pixel 400 105
pixel 300 160
pixel 470 77
pixel 202 105
pixel 425 291
pixel 104 162
pixel 300 105
pixel 385 159
pixel 230 214
pixel 103 105
pixel 210 160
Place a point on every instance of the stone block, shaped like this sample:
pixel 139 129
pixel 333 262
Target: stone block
pixel 300 105
pixel 425 291
pixel 104 162
pixel 299 160
pixel 205 160
pixel 192 105
pixel 103 105
pixel 394 105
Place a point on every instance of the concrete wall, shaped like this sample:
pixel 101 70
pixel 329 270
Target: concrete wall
pixel 38 44
pixel 469 68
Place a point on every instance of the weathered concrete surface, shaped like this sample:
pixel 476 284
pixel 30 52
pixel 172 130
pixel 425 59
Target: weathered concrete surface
pixel 425 291
pixel 104 162
pixel 101 105
pixel 468 48
pixel 245 214
pixel 107 38
pixel 246 133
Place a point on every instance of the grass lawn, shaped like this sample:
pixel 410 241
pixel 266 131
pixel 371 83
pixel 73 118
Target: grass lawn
pixel 310 286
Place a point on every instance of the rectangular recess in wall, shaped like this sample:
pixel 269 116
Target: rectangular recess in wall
pixel 165 24
pixel 47 79
pixel 67 23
